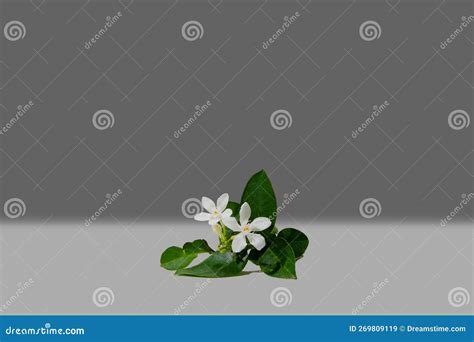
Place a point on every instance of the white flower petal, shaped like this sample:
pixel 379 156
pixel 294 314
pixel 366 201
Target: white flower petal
pixel 222 202
pixel 231 222
pixel 213 220
pixel 239 243
pixel 202 217
pixel 226 213
pixel 208 204
pixel 260 223
pixel 244 214
pixel 256 240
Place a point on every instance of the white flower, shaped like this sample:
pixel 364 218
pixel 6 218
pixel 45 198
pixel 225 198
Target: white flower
pixel 246 227
pixel 215 212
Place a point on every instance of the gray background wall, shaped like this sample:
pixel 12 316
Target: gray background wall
pixel 150 78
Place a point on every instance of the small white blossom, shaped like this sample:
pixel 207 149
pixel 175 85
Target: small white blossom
pixel 215 212
pixel 246 228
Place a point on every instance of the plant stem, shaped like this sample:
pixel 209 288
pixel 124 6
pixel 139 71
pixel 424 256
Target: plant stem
pixel 224 243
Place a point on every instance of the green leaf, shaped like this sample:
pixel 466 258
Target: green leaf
pixel 196 247
pixel 254 254
pixel 297 240
pixel 174 258
pixel 235 207
pixel 269 235
pixel 278 260
pixel 259 194
pixel 217 265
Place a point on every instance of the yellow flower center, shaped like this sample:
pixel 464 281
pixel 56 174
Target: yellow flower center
pixel 246 229
pixel 215 213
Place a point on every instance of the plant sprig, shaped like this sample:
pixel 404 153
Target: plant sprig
pixel 246 232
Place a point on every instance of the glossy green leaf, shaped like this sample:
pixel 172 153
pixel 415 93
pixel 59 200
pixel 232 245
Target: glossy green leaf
pixel 254 255
pixel 217 265
pixel 196 247
pixel 269 235
pixel 278 260
pixel 174 258
pixel 259 194
pixel 296 239
pixel 235 207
